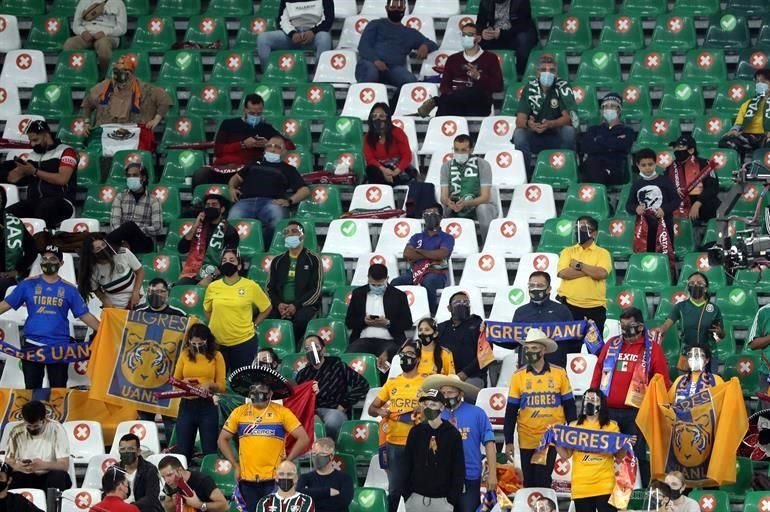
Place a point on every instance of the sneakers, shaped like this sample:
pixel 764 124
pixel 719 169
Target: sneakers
pixel 426 108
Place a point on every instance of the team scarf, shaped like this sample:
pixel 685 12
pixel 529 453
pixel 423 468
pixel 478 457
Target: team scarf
pixel 585 440
pixel 639 379
pixel 514 333
pixel 687 387
pixel 663 244
pixel 49 354
pixel 211 256
pixel 297 503
pixel 14 241
pixel 753 108
pixel 136 95
pixel 464 183
pixel 677 173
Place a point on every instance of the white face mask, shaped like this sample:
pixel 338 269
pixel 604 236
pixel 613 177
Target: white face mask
pixel 696 363
pixel 761 88
pixel 610 115
pixel 461 158
pixel 547 78
pixel 469 42
pixel 273 158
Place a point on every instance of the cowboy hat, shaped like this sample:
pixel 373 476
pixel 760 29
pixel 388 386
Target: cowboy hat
pixel 244 377
pixel 537 336
pixel 438 381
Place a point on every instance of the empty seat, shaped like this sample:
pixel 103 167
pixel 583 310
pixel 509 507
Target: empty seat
pixel 372 197
pixel 395 233
pixel 337 67
pixel 9 101
pixel 533 202
pixel 507 166
pixel 361 97
pixel 540 261
pixel 508 236
pixel 485 270
pixel 413 95
pixel 349 237
pixel 85 439
pixel 9 35
pixel 25 68
pixel 495 133
pixel 441 133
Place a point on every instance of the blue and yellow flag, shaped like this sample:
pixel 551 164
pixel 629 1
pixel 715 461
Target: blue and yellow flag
pixel 698 436
pixel 133 356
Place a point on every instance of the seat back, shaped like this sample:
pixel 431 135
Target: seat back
pixel 360 275
pixel 9 37
pixel 473 292
pixel 485 270
pixel 509 236
pixel 496 132
pixel 85 439
pixel 493 401
pixel 79 499
pixel 507 165
pixel 372 197
pixel 417 297
pixel 464 233
pixel 146 431
pixel 412 97
pixel 507 301
pixel 36 496
pixel 349 237
pixel 10 105
pixel 441 133
pixel 534 202
pixel 97 465
pixel 540 261
pixel 395 233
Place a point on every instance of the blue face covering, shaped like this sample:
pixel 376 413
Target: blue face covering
pixel 292 241
pixel 377 289
pixel 547 78
pixel 253 120
pixel 273 158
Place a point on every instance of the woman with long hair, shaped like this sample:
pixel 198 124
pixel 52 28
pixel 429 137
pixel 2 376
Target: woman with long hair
pixel 386 150
pixel 435 359
pixel 698 377
pixel 114 276
pixel 202 365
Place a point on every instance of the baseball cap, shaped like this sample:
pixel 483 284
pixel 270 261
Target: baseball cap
pixel 434 395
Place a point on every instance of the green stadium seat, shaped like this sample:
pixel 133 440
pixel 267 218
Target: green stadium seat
pixel 209 100
pixel 698 262
pixel 620 208
pixel 178 8
pixel 230 8
pixel 472 7
pixel 370 499
pixel 89 172
pixel 268 9
pixel 559 55
pixel 278 335
pixel 747 203
pixel 705 67
pixel 710 235
pixel 682 100
pixel 51 101
pixel 135 8
pixel 323 205
pixel 648 271
pixel 342 134
pixel 233 68
pixel 340 300
pixel 170 202
pixel 250 233
pixel 162 265
pixel 586 199
pixel 154 33
pixel 204 189
pixel 286 67
pixel 246 38
pixel 586 102
pixel 181 164
pixel 643 7
pixel 98 203
pixel 617 236
pixel 353 159
pixel 120 161
pixel 673 33
pixel 221 471
pixel 730 96
pixel 709 129
pixel 546 8
pixel 295 129
pixel 47 34
pixel 594 8
pixel 749 61
pixel 347 464
pixel 747 366
pixel 334 272
pixel 291 364
pixel 727 31
pixel 23 7
pixel 757 281
pixel 726 159
pixel 62 8
pixel 741 489
pixel 570 32
pixel 657 131
pixel 738 304
pixel 319 429
pixel 713 501
pixel 684 237
pixel 558 233
pixel 301 159
pixel 181 67
pixel 365 365
pixel 76 68
pixel 271 94
pixel 511 99
pixel 696 7
pixel 333 333
pixel 277 245
pixel 183 130
pixel 763 39
pixel 359 439
pixel 177 228
pixel 652 67
pixel 188 298
pixel 600 67
pixel 314 101
pixel 260 267
pixel 206 30
pixel 748 7
pixel 556 167
pixel 668 297
pixel 637 103
pixel 624 297
pixel 621 33
pixel 507 60
pixel 72 132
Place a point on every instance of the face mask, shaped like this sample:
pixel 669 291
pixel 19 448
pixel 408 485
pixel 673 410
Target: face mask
pixel 431 414
pixel 461 158
pixel 408 363
pixel 696 292
pixel 40 148
pixel 253 120
pixel 285 484
pixel 292 241
pixel 761 88
pixel 134 184
pixel 547 78
pixel 321 461
pixel 211 213
pixel 102 255
pixel 426 339
pixel 49 269
pixel 259 397
pixel 377 289
pixel 196 348
pixel 676 493
pixel 469 42
pixel 228 269
pixel 461 312
pixel 312 357
pixel 155 300
pixel 583 235
pixel 380 125
pixel 34 431
pixel 609 115
pixel 629 331
pixel 3 486
pixel 396 16
pixel 590 409
pixel 120 76
pixel 538 295
pixel 432 221
pixel 681 155
pixel 272 158
pixel 533 357
pixel 696 363
pixel 127 458
pixel 648 178
pixel 453 402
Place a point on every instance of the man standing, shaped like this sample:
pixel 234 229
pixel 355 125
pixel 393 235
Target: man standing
pixel 98 25
pixel 286 498
pixel 435 469
pixel 116 490
pixel 295 282
pixel 476 431
pixel 137 216
pixel 752 127
pixel 700 199
pixel 508 25
pixel 11 501
pixel 460 335
pixel 330 488
pixel 539 396
pixel 606 146
pixel 206 496
pixel 49 300
pixel 142 475
pixel 625 366
pixel 583 269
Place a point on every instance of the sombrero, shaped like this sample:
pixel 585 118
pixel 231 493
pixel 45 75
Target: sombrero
pixel 538 336
pixel 246 376
pixel 437 381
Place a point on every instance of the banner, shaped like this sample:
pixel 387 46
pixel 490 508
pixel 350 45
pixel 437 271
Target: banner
pixel 50 354
pixel 484 352
pixel 698 436
pixel 302 404
pixel 585 440
pixel 133 356
pixel 510 333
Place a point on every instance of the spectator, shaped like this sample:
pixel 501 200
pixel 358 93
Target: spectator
pixel 330 488
pixel 397 404
pixel 759 334
pixel 541 309
pixel 49 175
pixel 286 497
pixel 157 299
pixel 466 185
pixel 239 141
pixel 378 316
pixel 385 46
pixel 435 359
pixel 583 269
pixel 207 497
pixel 652 198
pixel 124 99
pixel 142 475
pixel 536 403
pixel 698 377
pixel 619 382
pixel 476 430
pixel 435 468
pixel 459 336
pixel 267 189
pixel 751 129
pixel 260 450
pixel 116 490
pixel 469 80
pixel 700 200
pixel 38 451
pixel 679 502
pixel 267 356
pixel 508 25
pixel 659 496
pixel 200 364
pixel 606 146
pixel 303 24
pixel 136 217
pixel 204 243
pixel 234 307
pixel 546 116
pixel 11 500
pixel 340 387
pixel 115 277
pixel 386 150
pixel 428 254
pixel 98 25
pixel 295 281
pixel 48 299
pixel 18 246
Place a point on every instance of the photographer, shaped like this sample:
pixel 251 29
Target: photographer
pixel 196 490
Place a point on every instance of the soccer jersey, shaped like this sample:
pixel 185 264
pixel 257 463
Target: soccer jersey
pixel 695 322
pixel 261 438
pixel 232 309
pixel 593 474
pixel 476 430
pixel 539 397
pixel 427 365
pixel 400 395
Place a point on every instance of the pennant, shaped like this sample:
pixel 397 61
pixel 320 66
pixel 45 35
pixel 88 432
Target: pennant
pixel 512 333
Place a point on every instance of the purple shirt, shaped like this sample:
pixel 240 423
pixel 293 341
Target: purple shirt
pixel 433 242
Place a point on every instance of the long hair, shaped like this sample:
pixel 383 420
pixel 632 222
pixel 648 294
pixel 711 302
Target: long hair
pixel 88 263
pixel 437 348
pixel 203 332
pixel 604 414
pixel 372 135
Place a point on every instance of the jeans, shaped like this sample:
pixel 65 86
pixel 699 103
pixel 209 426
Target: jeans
pixel 278 40
pixel 626 420
pixel 397 76
pixel 470 499
pixel 520 38
pixel 262 208
pixel 201 415
pixel 54 479
pixel 53 210
pixel 252 492
pixel 529 142
pixel 35 372
pixel 419 503
pixel 332 419
pixel 374 175
pixel 397 477
pixel 536 475
pixel 239 355
pixel 432 282
pixel 594 504
pixel 130 233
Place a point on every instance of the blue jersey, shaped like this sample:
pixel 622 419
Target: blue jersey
pixel 475 428
pixel 428 242
pixel 47 308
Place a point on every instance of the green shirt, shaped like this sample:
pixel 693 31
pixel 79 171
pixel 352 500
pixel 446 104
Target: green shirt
pixel 761 326
pixel 289 287
pixel 695 322
pixel 558 98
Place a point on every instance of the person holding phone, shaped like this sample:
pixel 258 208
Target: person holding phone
pixel 197 490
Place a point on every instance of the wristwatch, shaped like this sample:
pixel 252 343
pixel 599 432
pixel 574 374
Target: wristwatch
pixel 578 266
pixel 204 506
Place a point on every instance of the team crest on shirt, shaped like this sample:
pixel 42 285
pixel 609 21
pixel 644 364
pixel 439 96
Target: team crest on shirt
pixel 529 385
pixel 709 308
pixel 551 385
pixel 38 290
pixel 241 291
pixel 394 391
pixel 61 292
pixel 554 103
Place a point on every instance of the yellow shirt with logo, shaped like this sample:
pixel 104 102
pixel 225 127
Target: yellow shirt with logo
pixel 539 397
pixel 585 292
pixel 593 474
pixel 755 125
pixel 401 395
pixel 427 365
pixel 201 369
pixel 231 307
pixel 261 438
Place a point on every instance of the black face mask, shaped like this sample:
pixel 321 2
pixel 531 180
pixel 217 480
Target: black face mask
pixel 426 339
pixel 259 397
pixel 380 126
pixel 590 409
pixel 461 312
pixel 681 155
pixel 696 292
pixel 34 431
pixel 432 221
pixel 40 148
pixel 453 402
pixel 156 300
pixel 533 357
pixel 629 332
pixel 676 493
pixel 3 486
pixel 49 269
pixel 538 295
pixel 408 363
pixel 583 235
pixel 228 269
pixel 128 458
pixel 211 213
pixel 285 484
pixel 396 16
pixel 120 76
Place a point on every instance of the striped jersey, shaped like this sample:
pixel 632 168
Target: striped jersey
pixel 297 503
pixel 117 279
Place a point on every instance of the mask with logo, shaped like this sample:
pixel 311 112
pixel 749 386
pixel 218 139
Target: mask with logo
pixel 210 213
pixel 321 460
pixel 285 484
pixel 408 363
pixel 547 78
pixel 396 16
pixel 681 155
pixel 49 269
pixel 629 331
pixel 292 241
pixel 134 184
pixel 533 357
pixel 761 88
pixel 259 397
pixel 584 235
pixel 120 76
pixel 127 458
pixel 453 402
pixel 155 300
pixel 377 289
pixel 431 414
pixel 461 312
pixel 432 220
pixel 696 291
pixel 253 120
pixel 461 158
pixel 538 295
pixel 590 409
pixel 469 42
pixel 610 115
pixel 427 339
pixel 272 158
pixel 228 269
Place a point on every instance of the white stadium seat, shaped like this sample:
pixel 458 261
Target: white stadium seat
pixel 372 197
pixel 442 132
pixel 510 237
pixel 422 23
pixel 410 129
pixel 510 365
pixel 10 335
pixel 580 371
pixel 464 233
pixel 418 301
pixel 9 37
pixel 473 292
pixel 395 233
pixel 146 431
pixel 85 439
pixel 434 59
pixel 361 97
pixel 80 499
pixel 16 126
pixel 370 396
pixel 360 275
pixel 508 169
pixel 349 237
pixel 413 95
pixel 495 133
pixel 453 35
pixel 10 105
pixel 542 261
pixel 11 193
pixel 336 67
pixel 437 8
pixel 25 68
pixel 36 496
pixel 345 8
pixel 375 475
pixel 434 170
pixel 524 499
pixel 79 225
pixel 493 402
pixel 535 202
pixel 96 468
pixel 485 270
pixel 352 29
pixel 507 301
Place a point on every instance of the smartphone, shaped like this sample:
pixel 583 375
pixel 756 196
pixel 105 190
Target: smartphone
pixel 26 461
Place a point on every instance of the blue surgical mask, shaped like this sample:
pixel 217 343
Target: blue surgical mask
pixel 609 115
pixel 272 158
pixel 377 289
pixel 468 42
pixel 134 184
pixel 547 78
pixel 253 120
pixel 761 88
pixel 292 241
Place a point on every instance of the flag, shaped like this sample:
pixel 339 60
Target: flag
pixel 484 352
pixel 133 356
pixel 698 436
pixel 302 404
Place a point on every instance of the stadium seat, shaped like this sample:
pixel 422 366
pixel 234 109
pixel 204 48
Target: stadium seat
pixel 181 67
pixel 85 439
pixel 509 237
pixel 507 61
pixel 323 205
pixel 727 31
pixel 159 264
pixel 587 102
pixel 369 499
pixel 699 262
pixel 79 225
pixel 48 33
pixel 365 365
pixel 352 160
pixel 97 465
pixel 413 95
pixel 705 67
pixel 436 8
pixel 278 335
pixel 624 297
pixel 557 168
pixel 441 133
pixel 206 30
pixel 146 431
pixel 617 236
pixel 250 233
pixel 473 292
pixel 709 129
pixel 748 368
pixel 361 97
pixel 335 275
pixel 24 68
pixel 10 104
pixel 546 8
pixel 421 23
pixel 286 67
pixel 712 500
pixel 653 67
pixel 9 37
pixel 673 33
pixel 696 7
pixel 738 305
pixel 417 297
pixel 297 130
pixel 76 68
pixel 558 233
pixel 682 100
pixel 154 33
pixel 36 496
pixel 507 168
pixel 586 199
pixel 433 64
pixel 332 332
pixel 337 67
pixel 345 8
pixel 485 270
pixel 452 40
pixel 593 8
pixel 79 499
pixel 183 130
pixel 730 96
pixel 523 498
pixel 311 240
pixel 301 159
pixel 342 134
pixel 98 202
pixel 493 401
pixel 495 133
pixel 221 471
pixel 648 272
pixel 260 267
pixel 314 101
pixel 750 60
pixel 395 233
pixel 349 237
pixel 507 301
pixel 570 32
pixel 233 68
pixel 51 101
pixel 352 28
pixel 621 33
pixel 407 124
pixel 534 202
pixel 189 298
pixel 178 8
pixel 33 226
pixel 684 237
pixel 599 67
pixel 742 488
pixel 251 27
pixel 229 8
pixel 540 261
pixel 464 232
pixel 209 100
pixel 375 475
pixel 580 370
pixel 657 131
pixel 372 197
pixel 271 94
pixel 637 104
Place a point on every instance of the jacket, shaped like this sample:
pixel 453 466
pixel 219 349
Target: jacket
pixel 308 279
pixel 439 473
pixel 147 487
pixel 520 12
pixel 396 310
pixel 462 340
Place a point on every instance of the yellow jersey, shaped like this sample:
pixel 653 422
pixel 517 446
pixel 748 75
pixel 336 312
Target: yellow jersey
pixel 539 397
pixel 401 396
pixel 427 365
pixel 756 125
pixel 232 307
pixel 201 369
pixel 585 292
pixel 593 474
pixel 261 438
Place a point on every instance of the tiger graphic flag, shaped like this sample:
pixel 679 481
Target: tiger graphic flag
pixel 133 356
pixel 698 436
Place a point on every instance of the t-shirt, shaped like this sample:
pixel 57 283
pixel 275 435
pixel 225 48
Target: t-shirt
pixel 232 309
pixel 761 326
pixel 585 292
pixel 400 395
pixel 755 125
pixel 432 242
pixel 261 438
pixel 427 364
pixel 51 444
pixel 539 397
pixel 114 504
pixel 264 179
pixel 593 474
pixel 117 280
pixel 289 289
pixel 47 308
pixel 476 430
pixel 201 369
pixel 203 485
pixel 552 103
pixel 695 322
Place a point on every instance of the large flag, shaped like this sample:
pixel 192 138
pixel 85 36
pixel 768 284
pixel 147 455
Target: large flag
pixel 133 356
pixel 698 436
